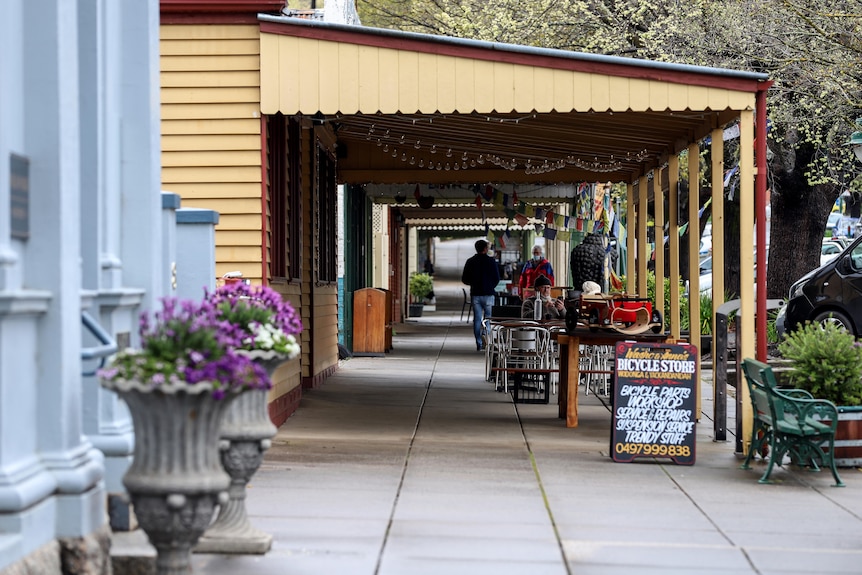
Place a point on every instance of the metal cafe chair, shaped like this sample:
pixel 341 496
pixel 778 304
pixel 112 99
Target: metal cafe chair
pixel 468 305
pixel 525 347
pixel 493 335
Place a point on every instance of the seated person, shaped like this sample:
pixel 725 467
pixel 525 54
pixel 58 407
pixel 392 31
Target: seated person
pixel 552 308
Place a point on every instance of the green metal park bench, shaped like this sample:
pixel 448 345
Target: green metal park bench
pixel 789 422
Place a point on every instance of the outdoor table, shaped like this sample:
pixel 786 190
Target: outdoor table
pixel 570 342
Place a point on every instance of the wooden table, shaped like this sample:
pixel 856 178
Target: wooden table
pixel 570 357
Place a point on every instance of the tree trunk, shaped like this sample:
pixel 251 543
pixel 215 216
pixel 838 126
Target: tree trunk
pixel 799 213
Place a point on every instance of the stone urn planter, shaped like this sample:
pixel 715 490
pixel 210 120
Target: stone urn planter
pixel 179 384
pixel 245 436
pixel 176 480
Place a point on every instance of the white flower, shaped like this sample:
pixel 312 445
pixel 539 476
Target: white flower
pixel 268 337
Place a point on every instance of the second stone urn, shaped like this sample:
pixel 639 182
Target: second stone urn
pixel 245 436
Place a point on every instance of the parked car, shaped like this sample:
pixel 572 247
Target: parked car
pixel 831 293
pixel 842 241
pixel 842 226
pixel 830 249
pixel 705 274
pixel 832 222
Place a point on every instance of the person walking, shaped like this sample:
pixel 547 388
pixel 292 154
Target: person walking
pixel 551 308
pixel 482 275
pixel 534 268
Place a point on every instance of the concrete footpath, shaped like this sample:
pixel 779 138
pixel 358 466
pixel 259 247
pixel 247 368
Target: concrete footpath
pixel 413 464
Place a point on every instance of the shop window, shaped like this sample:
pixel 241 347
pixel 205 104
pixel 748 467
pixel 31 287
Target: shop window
pixel 325 214
pixel 284 198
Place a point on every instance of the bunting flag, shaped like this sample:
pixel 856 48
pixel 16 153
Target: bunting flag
pixel 616 282
pixel 705 205
pixel 416 193
pixel 551 225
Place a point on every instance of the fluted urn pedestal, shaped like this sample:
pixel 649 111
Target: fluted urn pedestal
pixel 246 434
pixel 176 480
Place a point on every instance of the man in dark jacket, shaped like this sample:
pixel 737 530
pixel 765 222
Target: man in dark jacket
pixel 482 275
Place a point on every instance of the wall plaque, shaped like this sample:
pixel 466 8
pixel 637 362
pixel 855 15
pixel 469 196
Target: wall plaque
pixel 19 184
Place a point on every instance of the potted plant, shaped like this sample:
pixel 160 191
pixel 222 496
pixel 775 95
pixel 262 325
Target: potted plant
pixel 826 361
pixel 178 387
pixel 419 286
pixel 267 327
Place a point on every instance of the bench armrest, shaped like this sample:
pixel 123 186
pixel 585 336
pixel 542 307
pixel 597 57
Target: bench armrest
pixel 795 393
pixel 819 414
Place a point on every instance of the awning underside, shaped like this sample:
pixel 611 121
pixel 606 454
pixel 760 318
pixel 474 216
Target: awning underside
pixel 546 148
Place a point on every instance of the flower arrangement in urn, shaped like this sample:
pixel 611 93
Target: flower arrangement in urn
pixel 180 387
pixel 187 347
pixel 265 325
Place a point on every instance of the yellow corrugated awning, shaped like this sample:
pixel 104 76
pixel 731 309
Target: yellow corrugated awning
pixel 419 108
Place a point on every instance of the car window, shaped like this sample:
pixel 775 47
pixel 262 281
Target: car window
pixel 856 258
pixel 830 249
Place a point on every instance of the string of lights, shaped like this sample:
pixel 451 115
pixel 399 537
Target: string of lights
pixel 416 153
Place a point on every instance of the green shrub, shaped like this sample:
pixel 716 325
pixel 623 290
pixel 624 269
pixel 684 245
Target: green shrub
pixel 826 361
pixel 420 286
pixel 684 322
pixel 771 328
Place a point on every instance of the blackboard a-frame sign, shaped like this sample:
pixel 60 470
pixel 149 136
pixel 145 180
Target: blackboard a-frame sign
pixel 654 402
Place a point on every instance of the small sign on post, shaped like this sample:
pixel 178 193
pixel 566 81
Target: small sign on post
pixel 654 402
pixel 19 187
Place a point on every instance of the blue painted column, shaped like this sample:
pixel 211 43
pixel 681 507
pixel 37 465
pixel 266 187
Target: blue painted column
pixel 195 255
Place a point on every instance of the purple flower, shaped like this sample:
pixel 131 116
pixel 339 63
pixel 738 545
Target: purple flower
pixel 186 343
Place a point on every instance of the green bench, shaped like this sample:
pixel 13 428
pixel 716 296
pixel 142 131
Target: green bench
pixel 789 422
